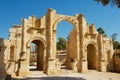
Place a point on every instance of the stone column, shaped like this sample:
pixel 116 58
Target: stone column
pixel 49 38
pixel 101 56
pixel 23 60
pixel 54 44
pixel 24 37
pixel 82 25
pixel 78 42
pixel 49 34
pixel 97 62
pixel 111 48
pixel 77 63
pixel 45 61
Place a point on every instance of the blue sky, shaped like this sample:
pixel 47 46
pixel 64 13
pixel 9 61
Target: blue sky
pixel 12 11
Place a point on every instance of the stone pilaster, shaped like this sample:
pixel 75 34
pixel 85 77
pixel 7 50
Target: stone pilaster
pixel 54 43
pixel 23 69
pixel 50 41
pixel 24 38
pixel 82 60
pixel 102 66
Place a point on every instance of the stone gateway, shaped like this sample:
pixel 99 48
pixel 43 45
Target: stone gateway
pixel 86 48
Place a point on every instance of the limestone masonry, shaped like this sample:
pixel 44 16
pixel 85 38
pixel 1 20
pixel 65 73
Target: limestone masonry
pixel 86 48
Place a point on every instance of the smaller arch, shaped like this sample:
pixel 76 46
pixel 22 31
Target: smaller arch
pixel 91 54
pixel 36 38
pixel 91 42
pixel 38 54
pixel 91 57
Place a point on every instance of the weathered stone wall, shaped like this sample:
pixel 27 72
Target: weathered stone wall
pixel 72 48
pixel 108 53
pixel 2 60
pixel 117 60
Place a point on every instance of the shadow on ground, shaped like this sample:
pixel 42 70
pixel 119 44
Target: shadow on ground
pixel 51 78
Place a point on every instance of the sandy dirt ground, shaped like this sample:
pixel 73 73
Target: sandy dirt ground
pixel 70 75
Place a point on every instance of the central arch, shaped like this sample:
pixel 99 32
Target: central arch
pixel 70 19
pixel 74 23
pixel 91 57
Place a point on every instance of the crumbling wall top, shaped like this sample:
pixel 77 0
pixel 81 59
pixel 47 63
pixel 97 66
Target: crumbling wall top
pixel 51 10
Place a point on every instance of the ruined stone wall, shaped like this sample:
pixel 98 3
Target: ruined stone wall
pixel 107 55
pixel 117 60
pixel 108 48
pixel 13 50
pixel 2 60
pixel 72 48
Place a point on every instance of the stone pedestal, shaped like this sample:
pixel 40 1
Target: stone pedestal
pixel 103 66
pixel 51 67
pixel 84 67
pixel 23 68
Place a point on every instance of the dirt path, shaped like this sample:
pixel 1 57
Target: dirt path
pixel 68 75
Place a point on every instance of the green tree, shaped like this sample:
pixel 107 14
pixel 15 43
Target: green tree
pixel 111 2
pixel 116 44
pixel 61 44
pixel 100 30
pixel 114 36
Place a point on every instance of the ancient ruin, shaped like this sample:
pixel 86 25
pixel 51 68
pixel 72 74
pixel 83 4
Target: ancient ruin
pixel 86 49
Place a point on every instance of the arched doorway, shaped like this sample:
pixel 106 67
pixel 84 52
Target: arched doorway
pixel 72 50
pixel 63 30
pixel 91 57
pixel 36 61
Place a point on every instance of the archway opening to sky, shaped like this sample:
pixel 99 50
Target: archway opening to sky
pixel 62 34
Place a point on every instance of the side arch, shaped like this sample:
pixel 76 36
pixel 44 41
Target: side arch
pixel 36 38
pixel 91 55
pixel 41 56
pixel 85 48
pixel 91 42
